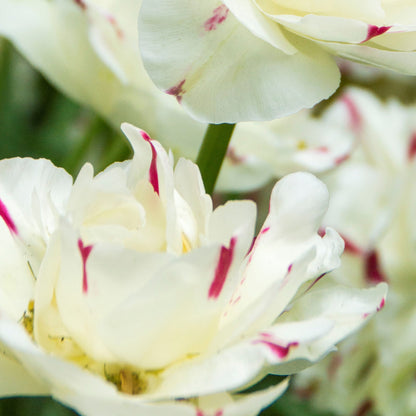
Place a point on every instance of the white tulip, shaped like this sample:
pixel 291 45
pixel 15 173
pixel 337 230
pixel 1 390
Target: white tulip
pixel 249 60
pixel 124 292
pixel 373 200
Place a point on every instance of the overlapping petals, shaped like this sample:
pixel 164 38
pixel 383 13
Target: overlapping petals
pixel 88 49
pixel 246 60
pixel 379 230
pixel 263 151
pixel 126 291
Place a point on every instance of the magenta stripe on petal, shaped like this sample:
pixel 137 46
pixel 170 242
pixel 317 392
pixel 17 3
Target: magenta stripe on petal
pixel 85 252
pixel 153 175
pixel 221 271
pixel 374 31
pixel 279 350
pixel 373 270
pixel 4 213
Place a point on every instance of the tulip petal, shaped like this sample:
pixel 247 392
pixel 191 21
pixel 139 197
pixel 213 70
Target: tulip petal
pixel 288 251
pixel 228 74
pixel 16 381
pixel 346 308
pixel 16 279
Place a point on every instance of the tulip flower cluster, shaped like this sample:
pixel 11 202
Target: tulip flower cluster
pixel 130 293
pixel 379 236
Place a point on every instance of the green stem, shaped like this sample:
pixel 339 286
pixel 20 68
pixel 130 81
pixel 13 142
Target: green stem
pixel 76 158
pixel 212 153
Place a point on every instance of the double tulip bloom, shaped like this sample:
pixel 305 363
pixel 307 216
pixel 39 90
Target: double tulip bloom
pixel 236 60
pixel 126 293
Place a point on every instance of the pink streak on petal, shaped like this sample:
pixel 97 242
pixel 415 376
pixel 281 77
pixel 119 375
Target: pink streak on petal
pixel 218 16
pixel 279 350
pixel 4 213
pixel 265 230
pixel 373 270
pixel 355 116
pixel 113 22
pixel 381 306
pixel 351 247
pixel 233 157
pixel 221 271
pixel 411 151
pixel 315 281
pixel 177 91
pixel 255 242
pixel 85 252
pixel 341 159
pixel 374 31
pixel 289 269
pixel 153 175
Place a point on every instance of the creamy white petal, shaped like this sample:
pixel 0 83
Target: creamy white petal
pixel 15 380
pixel 344 308
pixel 251 17
pixel 16 278
pixel 288 250
pixel 243 404
pixel 228 74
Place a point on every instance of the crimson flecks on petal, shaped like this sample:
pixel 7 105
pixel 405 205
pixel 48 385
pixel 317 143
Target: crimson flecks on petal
pixel 411 152
pixel 219 15
pixel 4 213
pixel 177 91
pixel 85 253
pixel 374 31
pixel 153 175
pixel 221 271
pixel 373 271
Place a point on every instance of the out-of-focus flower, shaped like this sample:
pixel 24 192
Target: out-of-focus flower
pixel 248 60
pixel 262 151
pixel 373 201
pixel 126 293
pixel 89 50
